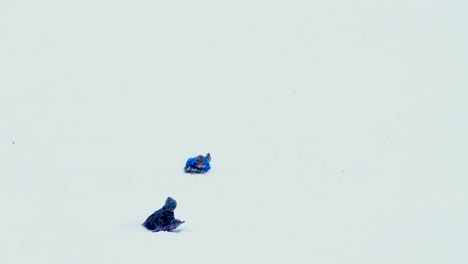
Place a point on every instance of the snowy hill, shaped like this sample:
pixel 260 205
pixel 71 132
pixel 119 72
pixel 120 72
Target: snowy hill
pixel 337 131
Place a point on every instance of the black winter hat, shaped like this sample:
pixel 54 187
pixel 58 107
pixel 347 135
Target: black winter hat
pixel 200 159
pixel 170 204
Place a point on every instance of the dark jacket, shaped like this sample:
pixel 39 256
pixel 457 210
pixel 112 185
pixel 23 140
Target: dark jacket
pixel 163 216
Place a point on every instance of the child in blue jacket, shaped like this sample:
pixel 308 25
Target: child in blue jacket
pixel 198 164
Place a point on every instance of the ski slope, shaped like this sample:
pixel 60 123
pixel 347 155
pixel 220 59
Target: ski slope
pixel 337 131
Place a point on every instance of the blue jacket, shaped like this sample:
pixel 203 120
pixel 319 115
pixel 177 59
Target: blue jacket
pixel 191 166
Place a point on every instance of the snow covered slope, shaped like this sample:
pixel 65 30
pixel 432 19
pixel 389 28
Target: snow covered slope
pixel 337 131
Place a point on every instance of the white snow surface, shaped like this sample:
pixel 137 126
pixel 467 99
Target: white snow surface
pixel 338 131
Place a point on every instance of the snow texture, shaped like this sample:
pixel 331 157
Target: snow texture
pixel 338 131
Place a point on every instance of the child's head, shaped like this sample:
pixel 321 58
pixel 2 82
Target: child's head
pixel 200 161
pixel 170 204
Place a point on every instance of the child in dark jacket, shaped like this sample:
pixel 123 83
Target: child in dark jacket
pixel 162 217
